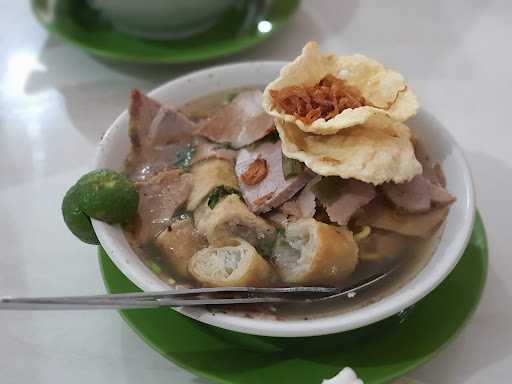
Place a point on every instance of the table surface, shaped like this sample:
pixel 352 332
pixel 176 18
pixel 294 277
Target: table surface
pixel 56 101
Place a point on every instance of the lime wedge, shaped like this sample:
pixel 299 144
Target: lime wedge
pixel 103 195
pixel 107 196
pixel 77 221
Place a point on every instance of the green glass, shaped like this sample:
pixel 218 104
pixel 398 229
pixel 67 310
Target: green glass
pixel 237 29
pixel 378 352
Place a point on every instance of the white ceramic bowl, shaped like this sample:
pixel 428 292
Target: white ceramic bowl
pixel 162 19
pixel 115 147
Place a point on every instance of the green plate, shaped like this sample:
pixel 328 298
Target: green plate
pixel 378 353
pixel 76 22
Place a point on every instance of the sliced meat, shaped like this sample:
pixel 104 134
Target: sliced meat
pixel 153 126
pixel 306 199
pixel 440 175
pixel 426 163
pixel 413 196
pixel 431 171
pixel 206 150
pixel 379 215
pixel 342 198
pixel 239 123
pixel 273 190
pixel 141 166
pixel 291 208
pixel 417 195
pixel 159 197
pixel 158 134
pixel 303 204
pixel 139 170
pixel 142 111
pixel 440 196
pixel 423 191
pixel 169 127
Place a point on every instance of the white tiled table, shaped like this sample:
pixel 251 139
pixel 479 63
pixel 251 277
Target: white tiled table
pixel 56 101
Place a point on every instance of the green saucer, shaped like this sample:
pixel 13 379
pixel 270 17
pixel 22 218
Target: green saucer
pixel 378 353
pixel 237 29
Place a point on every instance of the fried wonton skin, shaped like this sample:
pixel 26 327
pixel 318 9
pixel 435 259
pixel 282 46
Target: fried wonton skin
pixel 378 151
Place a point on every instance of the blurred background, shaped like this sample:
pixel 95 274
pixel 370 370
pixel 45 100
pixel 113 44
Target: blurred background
pixel 57 99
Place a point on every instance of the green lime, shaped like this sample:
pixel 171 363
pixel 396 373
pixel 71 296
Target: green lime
pixel 77 221
pixel 103 195
pixel 107 196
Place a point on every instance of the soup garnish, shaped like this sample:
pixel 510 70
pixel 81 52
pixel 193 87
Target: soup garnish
pixel 324 100
pixel 103 195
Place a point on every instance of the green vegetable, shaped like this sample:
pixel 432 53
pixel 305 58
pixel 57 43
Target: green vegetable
pixel 291 167
pixel 103 195
pixel 155 267
pixel 185 156
pixel 328 189
pixel 229 98
pixel 280 231
pixel 220 192
pixel 273 137
pixel 265 249
pixel 225 145
pixel 253 146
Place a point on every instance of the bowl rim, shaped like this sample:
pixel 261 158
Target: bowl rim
pixel 401 299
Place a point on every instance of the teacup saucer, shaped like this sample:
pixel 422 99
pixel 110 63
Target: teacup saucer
pixel 248 24
pixel 378 353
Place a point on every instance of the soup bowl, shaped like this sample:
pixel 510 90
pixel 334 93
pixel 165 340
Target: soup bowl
pixel 115 146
